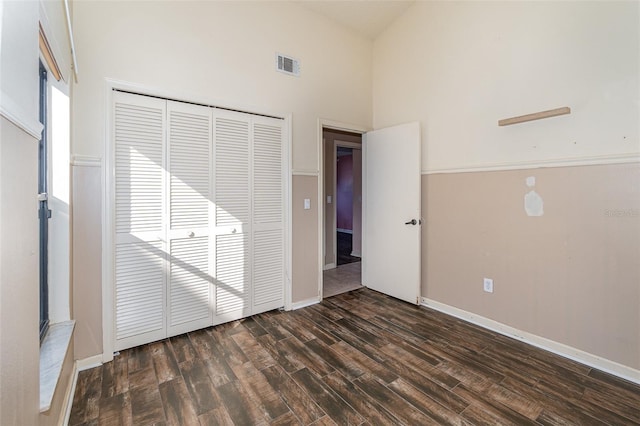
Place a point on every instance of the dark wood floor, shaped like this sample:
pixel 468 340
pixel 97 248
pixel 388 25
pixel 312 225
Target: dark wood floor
pixel 357 358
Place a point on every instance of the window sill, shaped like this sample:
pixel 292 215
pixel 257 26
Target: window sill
pixel 52 353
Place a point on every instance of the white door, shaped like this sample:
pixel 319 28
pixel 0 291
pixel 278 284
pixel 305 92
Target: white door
pixel 140 248
pixel 392 201
pixel 189 194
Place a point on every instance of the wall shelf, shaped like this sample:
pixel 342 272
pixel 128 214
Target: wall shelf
pixel 535 116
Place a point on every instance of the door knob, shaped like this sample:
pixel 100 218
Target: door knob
pixel 411 222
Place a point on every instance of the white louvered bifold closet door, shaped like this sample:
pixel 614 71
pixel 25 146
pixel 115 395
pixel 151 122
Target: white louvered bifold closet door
pixel 200 216
pixel 189 165
pixel 140 252
pixel 232 200
pixel 268 214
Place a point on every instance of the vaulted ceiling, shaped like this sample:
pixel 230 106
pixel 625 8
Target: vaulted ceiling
pixel 367 17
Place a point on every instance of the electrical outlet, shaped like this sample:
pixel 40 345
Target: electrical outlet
pixel 488 285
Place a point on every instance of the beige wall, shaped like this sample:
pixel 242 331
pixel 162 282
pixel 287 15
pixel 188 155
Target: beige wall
pixel 19 306
pixel 466 65
pixel 87 267
pixel 19 258
pixel 571 275
pixel 305 238
pixel 222 53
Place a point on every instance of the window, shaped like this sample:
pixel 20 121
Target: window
pixel 43 209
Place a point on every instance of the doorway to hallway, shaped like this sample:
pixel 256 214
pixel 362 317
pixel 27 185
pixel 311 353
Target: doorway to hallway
pixel 342 195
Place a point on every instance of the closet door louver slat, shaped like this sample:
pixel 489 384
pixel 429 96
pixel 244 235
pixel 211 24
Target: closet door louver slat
pixel 268 208
pixel 140 285
pixel 199 216
pixel 231 144
pixel 189 140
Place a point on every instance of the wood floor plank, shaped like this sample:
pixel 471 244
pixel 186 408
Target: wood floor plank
pixel 143 378
pixel 182 348
pixel 146 406
pixel 318 332
pixel 86 400
pixel 287 419
pixel 138 358
pixel 164 361
pixel 335 407
pixel 482 408
pixel 305 356
pixel 280 353
pixel 239 405
pixel 257 354
pixel 438 388
pixel 425 403
pixel 116 411
pixel 260 391
pixel 357 358
pixel 345 366
pixel 227 347
pixel 300 403
pixel 200 387
pixel 359 400
pixel 392 402
pixel 364 362
pixel 178 405
pixel 216 417
pixel 556 410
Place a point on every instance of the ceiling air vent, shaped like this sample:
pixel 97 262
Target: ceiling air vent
pixel 287 65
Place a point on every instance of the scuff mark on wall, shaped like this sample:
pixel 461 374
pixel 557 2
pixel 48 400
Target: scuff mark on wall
pixel 533 203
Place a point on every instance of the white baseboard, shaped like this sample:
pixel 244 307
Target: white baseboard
pixel 329 266
pixel 305 303
pixel 67 403
pixel 88 363
pixel 356 254
pixel 561 349
pixel 346 231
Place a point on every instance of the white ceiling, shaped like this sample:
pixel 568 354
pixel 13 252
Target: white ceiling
pixel 367 17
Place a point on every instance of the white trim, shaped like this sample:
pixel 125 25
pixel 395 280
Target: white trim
pixel 346 144
pixel 300 172
pixel 338 125
pixel 85 160
pixel 356 254
pixel 559 162
pixel 18 116
pixel 344 231
pixel 74 61
pixel 108 227
pixel 90 362
pixel 334 205
pixel 329 266
pixel 192 97
pixel 67 402
pixel 557 348
pixel 304 303
pixel 288 287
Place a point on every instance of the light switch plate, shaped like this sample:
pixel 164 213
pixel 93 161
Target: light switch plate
pixel 328 199
pixel 307 204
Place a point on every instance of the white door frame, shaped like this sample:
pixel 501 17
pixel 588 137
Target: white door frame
pixel 108 195
pixel 334 225
pixel 330 125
